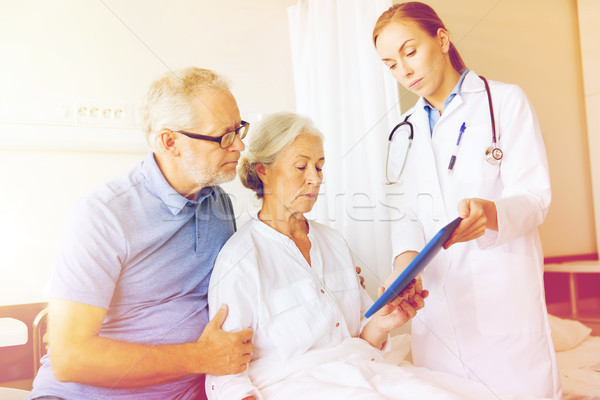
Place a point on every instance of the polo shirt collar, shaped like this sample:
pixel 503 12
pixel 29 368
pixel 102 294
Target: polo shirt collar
pixel 159 187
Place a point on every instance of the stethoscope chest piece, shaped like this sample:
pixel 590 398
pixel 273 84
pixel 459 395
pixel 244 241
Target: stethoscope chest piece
pixel 493 155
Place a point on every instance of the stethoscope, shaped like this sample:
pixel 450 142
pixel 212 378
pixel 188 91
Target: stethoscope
pixel 493 154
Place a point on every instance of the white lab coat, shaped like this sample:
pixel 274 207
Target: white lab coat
pixel 485 318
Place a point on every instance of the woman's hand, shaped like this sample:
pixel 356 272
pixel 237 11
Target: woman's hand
pixel 478 215
pixel 400 310
pixel 409 300
pixel 394 314
pixel 360 278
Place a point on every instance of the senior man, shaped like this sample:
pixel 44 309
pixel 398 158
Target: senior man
pixel 128 312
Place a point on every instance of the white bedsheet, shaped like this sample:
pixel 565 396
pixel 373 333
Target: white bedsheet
pixel 578 366
pixel 355 370
pixel 579 370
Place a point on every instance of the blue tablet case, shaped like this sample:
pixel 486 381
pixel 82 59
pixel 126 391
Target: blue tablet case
pixel 415 267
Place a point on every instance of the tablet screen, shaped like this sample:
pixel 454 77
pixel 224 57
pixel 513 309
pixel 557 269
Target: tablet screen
pixel 415 267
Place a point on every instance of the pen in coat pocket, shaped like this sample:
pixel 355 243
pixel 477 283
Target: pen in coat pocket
pixel 455 153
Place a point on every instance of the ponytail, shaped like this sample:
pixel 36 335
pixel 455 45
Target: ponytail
pixel 456 59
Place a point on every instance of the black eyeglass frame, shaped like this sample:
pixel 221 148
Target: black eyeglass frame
pixel 241 130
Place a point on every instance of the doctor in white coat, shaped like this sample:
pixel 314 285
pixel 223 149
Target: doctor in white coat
pixel 485 318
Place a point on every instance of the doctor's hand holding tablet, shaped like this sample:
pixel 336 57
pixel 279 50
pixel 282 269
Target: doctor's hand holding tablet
pixel 477 216
pixel 469 148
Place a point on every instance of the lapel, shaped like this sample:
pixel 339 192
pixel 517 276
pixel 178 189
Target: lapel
pixel 472 83
pixel 427 182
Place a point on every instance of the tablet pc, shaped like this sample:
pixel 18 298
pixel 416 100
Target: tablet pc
pixel 415 267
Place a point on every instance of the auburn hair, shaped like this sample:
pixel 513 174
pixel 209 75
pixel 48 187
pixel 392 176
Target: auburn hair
pixel 425 17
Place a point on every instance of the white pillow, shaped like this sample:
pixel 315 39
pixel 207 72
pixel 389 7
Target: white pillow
pixel 567 333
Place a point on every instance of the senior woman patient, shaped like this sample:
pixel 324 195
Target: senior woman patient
pixel 293 282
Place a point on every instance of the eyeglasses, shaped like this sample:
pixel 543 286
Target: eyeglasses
pixel 226 139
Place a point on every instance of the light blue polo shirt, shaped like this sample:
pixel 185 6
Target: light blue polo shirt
pixel 434 116
pixel 145 253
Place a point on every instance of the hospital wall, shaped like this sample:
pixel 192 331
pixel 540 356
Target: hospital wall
pixel 62 55
pixel 105 54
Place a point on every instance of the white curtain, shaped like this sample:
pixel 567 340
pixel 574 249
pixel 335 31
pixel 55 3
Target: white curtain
pixel 342 85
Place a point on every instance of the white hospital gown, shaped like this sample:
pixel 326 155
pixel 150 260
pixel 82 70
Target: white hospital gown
pixel 306 321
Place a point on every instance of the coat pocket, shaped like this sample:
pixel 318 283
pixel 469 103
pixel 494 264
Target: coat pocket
pixel 473 175
pixel 507 293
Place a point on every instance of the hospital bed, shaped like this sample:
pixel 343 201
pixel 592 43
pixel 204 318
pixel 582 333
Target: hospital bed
pixel 577 354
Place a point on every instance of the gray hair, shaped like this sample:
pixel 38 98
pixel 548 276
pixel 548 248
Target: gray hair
pixel 169 102
pixel 268 140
